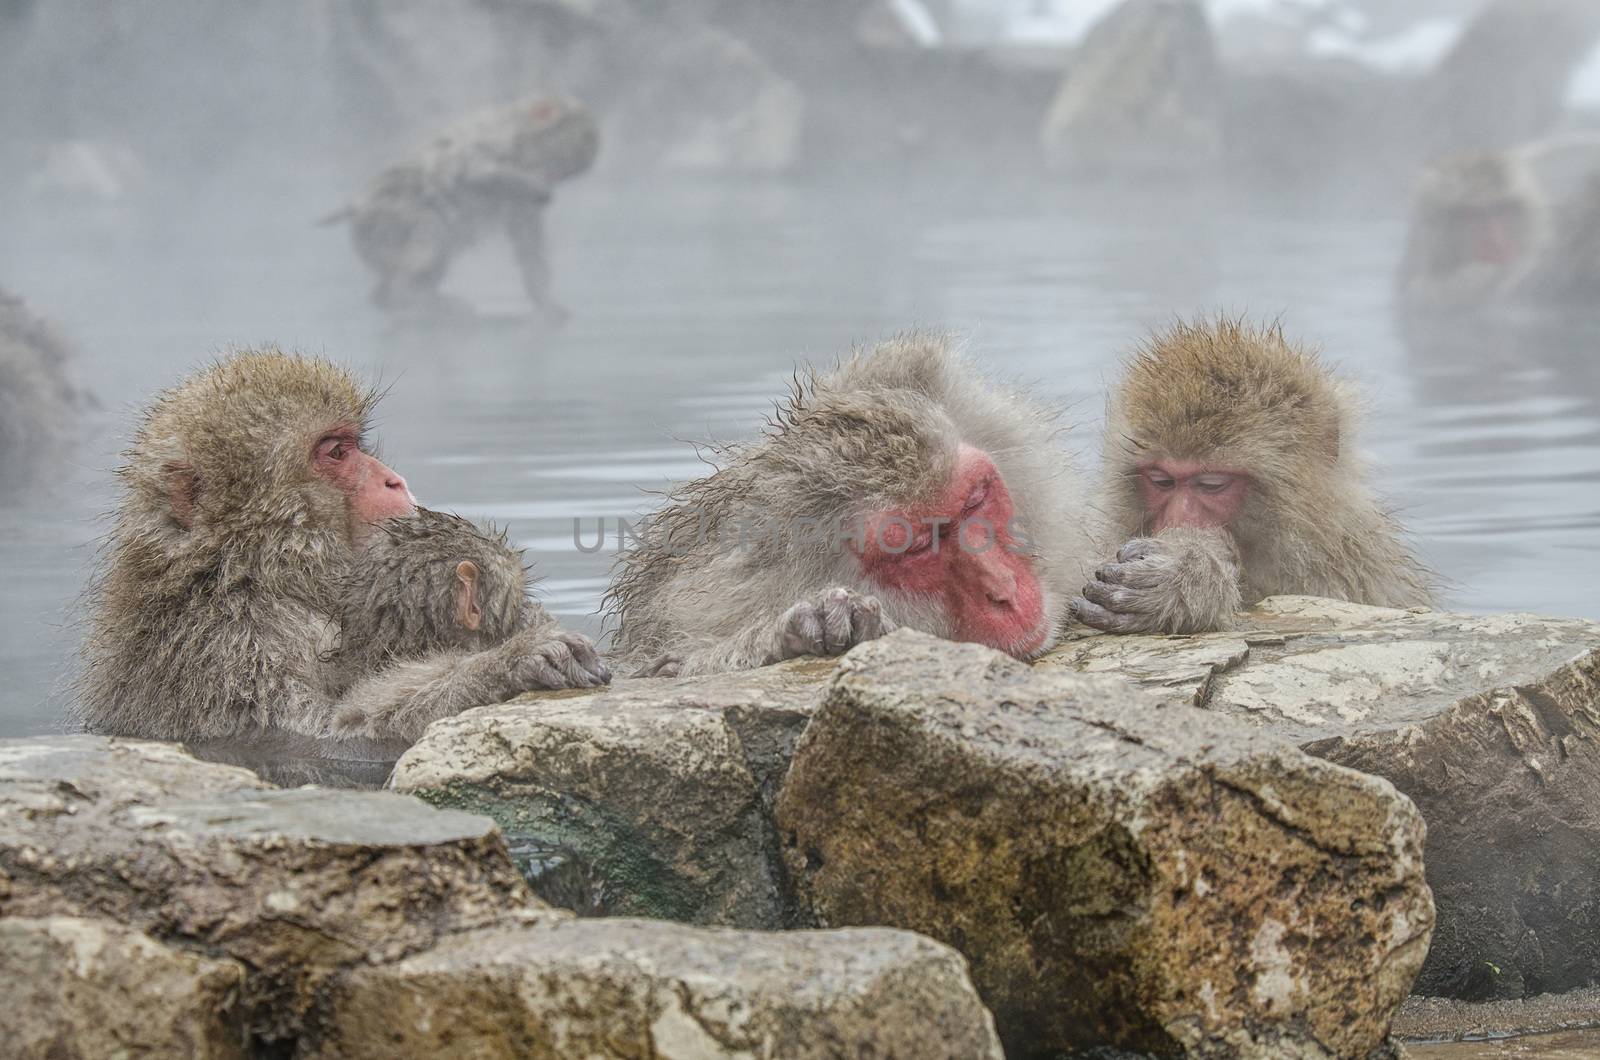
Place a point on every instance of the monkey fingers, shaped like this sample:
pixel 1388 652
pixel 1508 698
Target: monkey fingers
pixel 1134 575
pixel 800 632
pixel 1121 599
pixel 585 658
pixel 1092 614
pixel 1138 548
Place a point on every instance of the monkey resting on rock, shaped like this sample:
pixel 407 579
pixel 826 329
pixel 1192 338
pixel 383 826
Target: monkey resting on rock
pixel 900 489
pixel 1231 475
pixel 248 496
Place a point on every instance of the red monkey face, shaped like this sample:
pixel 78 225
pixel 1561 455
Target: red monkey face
pixel 375 493
pixel 1188 493
pixel 963 550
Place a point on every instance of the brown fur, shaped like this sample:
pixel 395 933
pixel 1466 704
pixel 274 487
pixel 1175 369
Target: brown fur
pixel 214 613
pixel 400 598
pixel 1240 396
pixel 880 431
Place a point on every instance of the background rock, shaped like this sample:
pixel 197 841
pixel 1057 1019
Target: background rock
pixel 1117 871
pixel 83 988
pixel 639 989
pixel 1490 723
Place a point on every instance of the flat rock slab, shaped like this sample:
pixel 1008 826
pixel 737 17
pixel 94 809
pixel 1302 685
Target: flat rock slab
pixel 661 787
pixel 640 989
pixel 1118 871
pixel 85 988
pixel 1490 723
pixel 297 885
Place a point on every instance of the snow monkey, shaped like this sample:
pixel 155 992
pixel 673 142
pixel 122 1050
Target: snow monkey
pixel 1477 226
pixel 901 489
pixel 1230 467
pixel 38 404
pixel 494 170
pixel 430 582
pixel 248 494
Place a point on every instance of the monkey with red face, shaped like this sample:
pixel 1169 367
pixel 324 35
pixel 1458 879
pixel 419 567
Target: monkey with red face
pixel 901 489
pixel 1231 477
pixel 248 495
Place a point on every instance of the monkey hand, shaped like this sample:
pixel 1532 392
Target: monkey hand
pixel 830 623
pixel 540 659
pixel 1182 581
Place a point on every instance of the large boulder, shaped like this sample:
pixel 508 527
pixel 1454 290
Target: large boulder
pixel 660 787
pixel 85 988
pixel 1119 871
pixel 646 990
pixel 1142 95
pixel 1491 724
pixel 295 885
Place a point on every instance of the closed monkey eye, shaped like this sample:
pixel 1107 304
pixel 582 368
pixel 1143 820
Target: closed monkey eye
pixel 1160 480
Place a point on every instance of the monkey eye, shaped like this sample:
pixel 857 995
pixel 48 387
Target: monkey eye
pixel 976 498
pixel 1213 483
pixel 919 545
pixel 1160 480
pixel 334 448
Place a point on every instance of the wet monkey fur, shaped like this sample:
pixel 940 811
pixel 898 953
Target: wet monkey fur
pixel 1231 475
pixel 900 489
pixel 248 494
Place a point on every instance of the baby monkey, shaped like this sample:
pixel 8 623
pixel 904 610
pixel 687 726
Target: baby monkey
pixel 431 584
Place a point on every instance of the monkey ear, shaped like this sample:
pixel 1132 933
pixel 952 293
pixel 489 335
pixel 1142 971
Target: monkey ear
pixel 467 612
pixel 183 492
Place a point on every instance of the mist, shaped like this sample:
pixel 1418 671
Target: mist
pixel 776 182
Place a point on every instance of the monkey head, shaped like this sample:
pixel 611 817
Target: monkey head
pixel 1215 421
pixel 903 475
pixel 1476 223
pixel 554 138
pixel 263 442
pixel 430 581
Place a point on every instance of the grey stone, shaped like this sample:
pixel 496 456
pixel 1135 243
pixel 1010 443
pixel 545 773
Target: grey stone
pixel 1119 871
pixel 661 787
pixel 86 988
pixel 641 989
pixel 1142 95
pixel 296 885
pixel 1490 723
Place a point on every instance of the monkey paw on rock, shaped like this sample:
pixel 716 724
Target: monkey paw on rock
pixel 830 623
pixel 1131 594
pixel 539 660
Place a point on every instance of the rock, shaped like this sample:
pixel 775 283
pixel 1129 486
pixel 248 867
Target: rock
pixel 661 787
pixel 295 885
pixel 1142 95
pixel 86 988
pixel 1118 871
pixel 640 989
pixel 705 104
pixel 1491 724
pixel 1447 1019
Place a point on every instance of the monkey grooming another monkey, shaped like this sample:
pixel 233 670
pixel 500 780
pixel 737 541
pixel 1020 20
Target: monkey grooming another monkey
pixel 494 170
pixel 900 489
pixel 247 497
pixel 1232 477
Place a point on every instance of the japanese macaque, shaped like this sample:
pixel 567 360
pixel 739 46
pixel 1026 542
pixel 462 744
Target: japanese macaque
pixel 1477 228
pixel 37 402
pixel 900 489
pixel 1519 226
pixel 248 495
pixel 429 587
pixel 493 171
pixel 1232 477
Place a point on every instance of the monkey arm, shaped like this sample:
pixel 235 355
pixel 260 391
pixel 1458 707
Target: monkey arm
pixel 830 622
pixel 1183 580
pixel 525 229
pixel 400 701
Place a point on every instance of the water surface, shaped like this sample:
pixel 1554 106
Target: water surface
pixel 693 305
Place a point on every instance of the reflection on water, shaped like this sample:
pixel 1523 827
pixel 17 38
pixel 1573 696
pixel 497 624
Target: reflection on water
pixel 691 309
pixel 1563 1045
